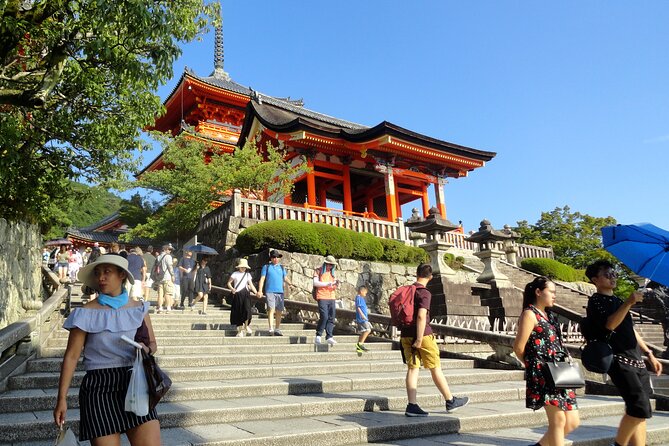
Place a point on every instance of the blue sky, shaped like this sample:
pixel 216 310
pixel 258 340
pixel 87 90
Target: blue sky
pixel 573 96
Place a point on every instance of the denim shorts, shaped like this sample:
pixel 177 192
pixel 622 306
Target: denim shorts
pixel 275 301
pixel 364 327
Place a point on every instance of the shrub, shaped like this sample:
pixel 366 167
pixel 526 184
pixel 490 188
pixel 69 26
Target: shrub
pixel 366 246
pixel 455 262
pixel 336 241
pixel 553 269
pixel 321 239
pixel 293 236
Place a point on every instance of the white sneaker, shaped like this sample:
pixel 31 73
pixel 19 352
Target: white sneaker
pixel 240 334
pixel 317 340
pixel 271 332
pixel 248 330
pixel 169 309
pixel 331 341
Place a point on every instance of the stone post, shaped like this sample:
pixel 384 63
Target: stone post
pixel 236 203
pixel 436 249
pixel 490 273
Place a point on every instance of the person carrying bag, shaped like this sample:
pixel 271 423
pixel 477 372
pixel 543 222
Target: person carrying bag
pixel 550 381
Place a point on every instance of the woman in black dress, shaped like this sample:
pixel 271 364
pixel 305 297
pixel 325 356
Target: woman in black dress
pixel 539 340
pixel 202 284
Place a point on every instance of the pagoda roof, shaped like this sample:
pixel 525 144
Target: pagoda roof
pixel 104 224
pixel 284 120
pixel 103 237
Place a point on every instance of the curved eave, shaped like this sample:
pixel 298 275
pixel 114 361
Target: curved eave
pixel 385 132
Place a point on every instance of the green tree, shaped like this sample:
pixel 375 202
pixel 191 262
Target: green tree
pixel 574 237
pixel 84 206
pixel 196 177
pixel 76 88
pixel 136 211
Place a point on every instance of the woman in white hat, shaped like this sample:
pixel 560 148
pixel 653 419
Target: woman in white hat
pixel 241 286
pixel 325 286
pixel 97 328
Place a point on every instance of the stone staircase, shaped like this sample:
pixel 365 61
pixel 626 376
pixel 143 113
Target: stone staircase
pixel 263 390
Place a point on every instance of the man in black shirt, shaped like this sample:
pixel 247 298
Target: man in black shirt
pixel 610 314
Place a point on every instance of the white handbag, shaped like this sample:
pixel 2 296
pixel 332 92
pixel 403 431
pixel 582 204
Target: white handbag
pixel 137 397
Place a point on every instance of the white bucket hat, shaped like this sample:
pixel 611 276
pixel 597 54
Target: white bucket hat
pixel 243 264
pixel 87 276
pixel 331 260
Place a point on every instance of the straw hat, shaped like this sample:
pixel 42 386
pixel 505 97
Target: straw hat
pixel 331 260
pixel 87 275
pixel 243 264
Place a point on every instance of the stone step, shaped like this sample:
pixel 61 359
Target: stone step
pixel 248 341
pixel 332 419
pixel 346 344
pixel 377 353
pixel 44 398
pixel 596 431
pixel 50 380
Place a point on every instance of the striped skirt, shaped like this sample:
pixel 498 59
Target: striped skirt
pixel 102 404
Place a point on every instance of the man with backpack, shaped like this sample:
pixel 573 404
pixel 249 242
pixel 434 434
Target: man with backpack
pixel 162 276
pixel 419 345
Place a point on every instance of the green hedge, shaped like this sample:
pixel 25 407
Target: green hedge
pixel 453 261
pixel 321 239
pixel 554 270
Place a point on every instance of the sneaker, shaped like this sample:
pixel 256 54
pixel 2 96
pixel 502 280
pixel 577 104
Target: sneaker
pixel 277 332
pixel 240 334
pixel 249 330
pixel 331 341
pixel 271 332
pixel 456 403
pixel 168 309
pixel 361 347
pixel 191 307
pixel 160 310
pixel 317 340
pixel 413 410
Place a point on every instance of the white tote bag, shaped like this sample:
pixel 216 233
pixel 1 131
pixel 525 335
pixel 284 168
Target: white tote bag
pixel 137 397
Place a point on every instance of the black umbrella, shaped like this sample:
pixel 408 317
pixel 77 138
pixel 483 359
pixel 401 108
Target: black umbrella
pixel 201 249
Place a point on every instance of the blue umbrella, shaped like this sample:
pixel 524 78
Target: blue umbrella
pixel 201 249
pixel 643 247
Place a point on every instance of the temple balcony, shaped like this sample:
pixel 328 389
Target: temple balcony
pixel 256 211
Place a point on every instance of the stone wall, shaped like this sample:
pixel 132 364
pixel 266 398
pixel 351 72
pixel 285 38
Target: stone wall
pixel 381 278
pixel 20 273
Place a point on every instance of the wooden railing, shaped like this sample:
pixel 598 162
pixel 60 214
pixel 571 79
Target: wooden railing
pixel 259 210
pixel 238 206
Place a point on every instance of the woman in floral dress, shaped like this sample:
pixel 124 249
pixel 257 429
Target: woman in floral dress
pixel 539 340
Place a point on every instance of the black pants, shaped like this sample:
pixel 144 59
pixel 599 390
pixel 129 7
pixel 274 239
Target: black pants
pixel 187 290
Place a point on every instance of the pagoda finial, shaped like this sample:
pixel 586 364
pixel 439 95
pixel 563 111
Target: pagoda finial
pixel 219 72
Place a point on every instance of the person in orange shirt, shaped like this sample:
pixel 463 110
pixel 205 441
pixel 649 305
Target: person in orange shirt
pixel 325 285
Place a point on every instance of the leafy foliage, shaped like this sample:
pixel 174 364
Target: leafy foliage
pixel 195 178
pixel 320 239
pixel 554 270
pixel 453 261
pixel 76 83
pixel 82 206
pixel 574 237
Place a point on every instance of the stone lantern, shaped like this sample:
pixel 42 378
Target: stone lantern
pixel 487 238
pixel 510 246
pixel 434 226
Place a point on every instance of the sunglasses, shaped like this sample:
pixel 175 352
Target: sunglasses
pixel 610 274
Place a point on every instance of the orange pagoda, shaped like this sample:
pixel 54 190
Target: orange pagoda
pixel 359 170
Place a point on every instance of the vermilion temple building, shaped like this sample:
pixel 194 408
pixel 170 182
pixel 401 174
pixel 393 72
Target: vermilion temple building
pixel 363 171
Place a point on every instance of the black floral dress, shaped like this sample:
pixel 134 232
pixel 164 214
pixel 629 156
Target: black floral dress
pixel 543 345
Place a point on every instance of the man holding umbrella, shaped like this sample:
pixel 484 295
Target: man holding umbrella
pixel 610 315
pixel 187 270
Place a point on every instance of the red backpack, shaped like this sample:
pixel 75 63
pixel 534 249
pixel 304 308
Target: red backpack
pixel 401 304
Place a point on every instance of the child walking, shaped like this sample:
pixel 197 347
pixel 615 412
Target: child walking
pixel 364 327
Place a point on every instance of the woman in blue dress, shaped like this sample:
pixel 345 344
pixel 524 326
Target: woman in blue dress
pixel 539 340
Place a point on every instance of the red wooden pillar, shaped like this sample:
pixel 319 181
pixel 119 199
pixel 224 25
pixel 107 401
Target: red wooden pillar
pixel 391 195
pixel 346 174
pixel 322 197
pixel 425 201
pixel 311 183
pixel 439 194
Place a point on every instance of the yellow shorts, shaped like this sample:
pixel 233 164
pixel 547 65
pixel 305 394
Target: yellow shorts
pixel 428 353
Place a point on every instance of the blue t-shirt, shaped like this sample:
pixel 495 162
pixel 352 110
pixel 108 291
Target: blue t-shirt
pixel 361 303
pixel 135 265
pixel 274 276
pixel 186 263
pixel 177 276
